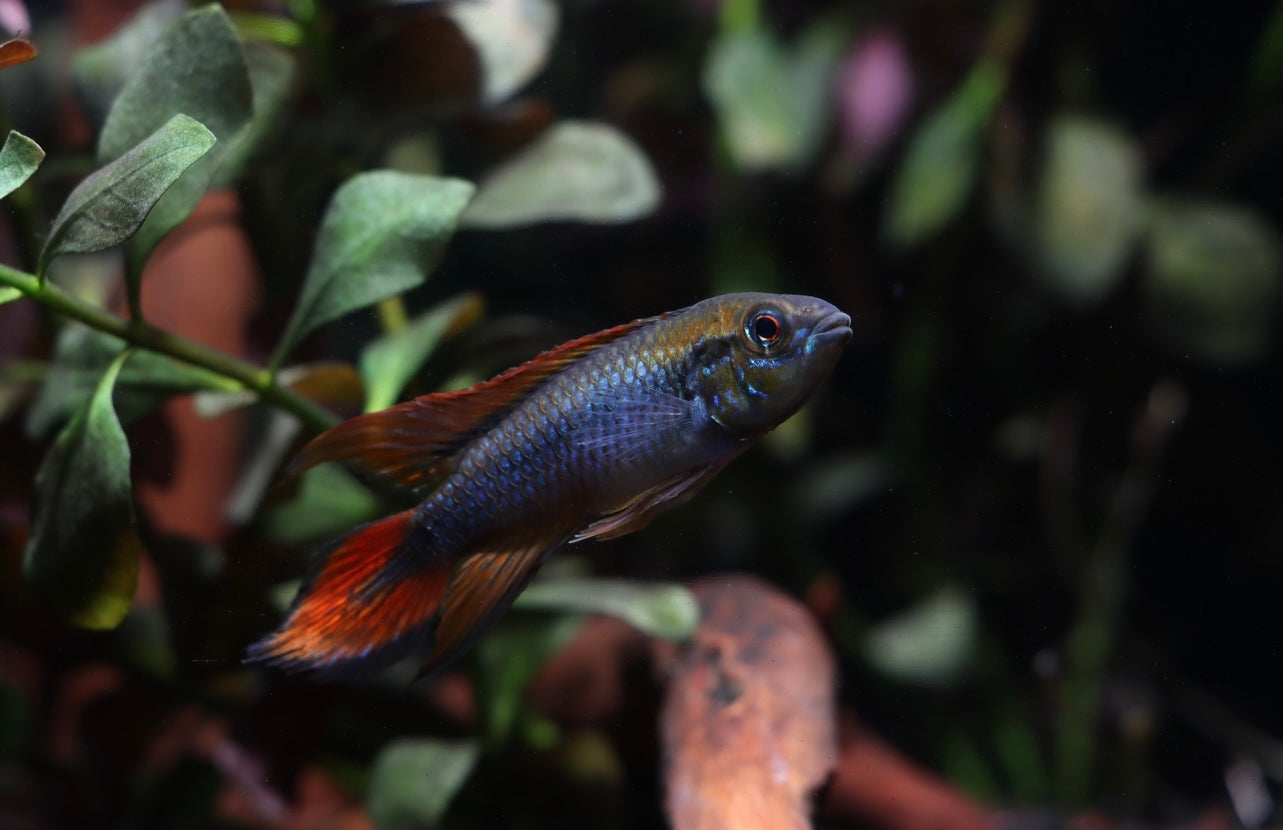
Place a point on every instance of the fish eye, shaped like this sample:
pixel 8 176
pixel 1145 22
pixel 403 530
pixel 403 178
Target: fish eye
pixel 764 328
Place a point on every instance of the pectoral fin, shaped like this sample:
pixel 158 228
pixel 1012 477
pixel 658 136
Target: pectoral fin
pixel 640 511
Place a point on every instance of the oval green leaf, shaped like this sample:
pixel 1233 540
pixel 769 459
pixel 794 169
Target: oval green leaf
pixel 575 171
pixel 388 363
pixel 102 70
pixel 930 643
pixel 83 554
pixel 772 101
pixel 942 161
pixel 109 206
pixel 19 158
pixel 382 234
pixel 413 781
pixel 195 67
pixel 1088 216
pixel 668 611
pixel 1214 276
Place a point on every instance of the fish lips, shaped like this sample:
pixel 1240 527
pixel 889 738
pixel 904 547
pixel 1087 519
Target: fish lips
pixel 833 330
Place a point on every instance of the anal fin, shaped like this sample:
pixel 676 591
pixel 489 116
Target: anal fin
pixel 482 588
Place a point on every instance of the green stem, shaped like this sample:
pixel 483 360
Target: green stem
pixel 145 336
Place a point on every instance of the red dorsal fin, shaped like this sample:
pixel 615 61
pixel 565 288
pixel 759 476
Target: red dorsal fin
pixel 412 444
pixel 372 598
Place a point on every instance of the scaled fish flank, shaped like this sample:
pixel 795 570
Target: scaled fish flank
pixel 590 440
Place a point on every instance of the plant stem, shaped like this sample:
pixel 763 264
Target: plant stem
pixel 144 336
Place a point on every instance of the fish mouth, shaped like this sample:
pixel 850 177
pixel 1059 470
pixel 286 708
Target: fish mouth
pixel 833 328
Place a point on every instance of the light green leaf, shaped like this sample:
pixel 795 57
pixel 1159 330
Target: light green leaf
pixel 512 39
pixel 668 611
pixel 930 643
pixel 19 158
pixel 101 70
pixel 8 294
pixel 1088 208
pixel 82 354
pixel 940 166
pixel 575 171
pixel 196 68
pixel 772 102
pixel 83 554
pixel 388 363
pixel 330 500
pixel 381 235
pixel 109 206
pixel 1212 281
pixel 271 73
pixel 413 781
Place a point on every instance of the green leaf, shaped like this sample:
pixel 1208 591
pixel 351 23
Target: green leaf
pixel 668 611
pixel 19 158
pixel 930 643
pixel 512 39
pixel 942 161
pixel 575 171
pixel 8 294
pixel 196 68
pixel 82 354
pixel 109 206
pixel 772 102
pixel 508 657
pixel 1088 216
pixel 1212 281
pixel 271 74
pixel 101 70
pixel 381 235
pixel 83 554
pixel 388 363
pixel 413 781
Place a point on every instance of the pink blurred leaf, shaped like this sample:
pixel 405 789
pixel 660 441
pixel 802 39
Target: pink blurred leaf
pixel 875 91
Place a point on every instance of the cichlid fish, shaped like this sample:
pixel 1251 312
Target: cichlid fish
pixel 590 440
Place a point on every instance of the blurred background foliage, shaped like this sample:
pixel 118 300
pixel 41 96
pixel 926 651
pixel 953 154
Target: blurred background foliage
pixel 1037 508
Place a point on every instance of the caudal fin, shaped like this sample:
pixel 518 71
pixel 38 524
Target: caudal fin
pixel 372 599
pixel 380 594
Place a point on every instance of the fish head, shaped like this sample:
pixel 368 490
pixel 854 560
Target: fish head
pixel 764 356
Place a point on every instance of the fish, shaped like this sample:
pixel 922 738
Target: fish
pixel 590 440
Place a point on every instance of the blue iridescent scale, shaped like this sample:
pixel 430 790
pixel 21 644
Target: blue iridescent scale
pixel 592 437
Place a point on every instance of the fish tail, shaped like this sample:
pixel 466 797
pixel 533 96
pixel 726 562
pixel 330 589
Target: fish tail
pixel 372 598
pixel 383 592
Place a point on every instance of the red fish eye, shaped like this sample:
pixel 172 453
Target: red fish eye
pixel 765 328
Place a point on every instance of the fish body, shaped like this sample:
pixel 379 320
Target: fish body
pixel 592 439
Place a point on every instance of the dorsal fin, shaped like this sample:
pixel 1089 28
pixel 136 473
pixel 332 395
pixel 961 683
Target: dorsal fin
pixel 412 444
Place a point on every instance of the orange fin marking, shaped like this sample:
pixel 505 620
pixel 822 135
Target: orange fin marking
pixel 641 510
pixel 483 587
pixel 412 444
pixel 367 598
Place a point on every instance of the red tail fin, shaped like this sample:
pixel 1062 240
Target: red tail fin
pixel 372 599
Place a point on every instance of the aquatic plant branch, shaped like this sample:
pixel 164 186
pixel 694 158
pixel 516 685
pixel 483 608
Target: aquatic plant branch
pixel 1103 590
pixel 140 334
